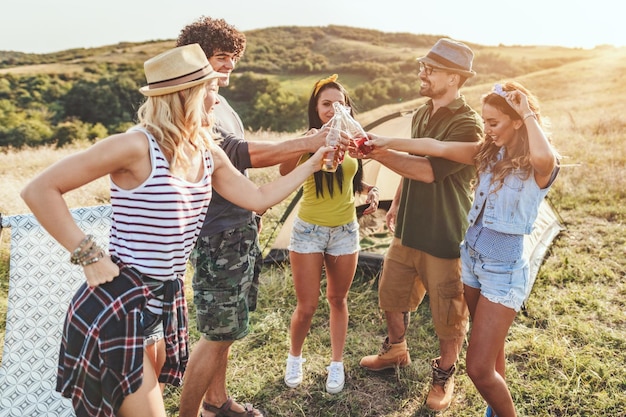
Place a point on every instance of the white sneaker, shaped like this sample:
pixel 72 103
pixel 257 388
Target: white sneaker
pixel 293 372
pixel 336 378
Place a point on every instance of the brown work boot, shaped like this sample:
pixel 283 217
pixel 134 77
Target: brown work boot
pixel 441 390
pixel 391 355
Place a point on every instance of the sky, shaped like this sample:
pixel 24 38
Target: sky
pixel 43 26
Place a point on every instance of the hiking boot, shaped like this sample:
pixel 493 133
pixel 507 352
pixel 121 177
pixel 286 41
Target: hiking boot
pixel 336 378
pixel 441 390
pixel 293 371
pixel 391 355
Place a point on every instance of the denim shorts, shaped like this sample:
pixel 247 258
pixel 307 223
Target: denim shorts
pixel 153 327
pixel 500 282
pixel 335 241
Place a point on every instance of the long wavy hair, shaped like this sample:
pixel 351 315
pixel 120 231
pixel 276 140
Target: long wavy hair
pixel 176 119
pixel 322 177
pixel 516 159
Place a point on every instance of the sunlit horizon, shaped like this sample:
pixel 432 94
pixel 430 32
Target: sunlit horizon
pixel 39 26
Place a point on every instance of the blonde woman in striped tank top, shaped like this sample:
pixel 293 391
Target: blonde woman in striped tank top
pixel 125 334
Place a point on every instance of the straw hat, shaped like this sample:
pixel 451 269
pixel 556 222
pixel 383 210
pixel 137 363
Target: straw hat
pixel 450 55
pixel 177 69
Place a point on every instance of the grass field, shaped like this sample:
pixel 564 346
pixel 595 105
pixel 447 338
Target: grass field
pixel 565 353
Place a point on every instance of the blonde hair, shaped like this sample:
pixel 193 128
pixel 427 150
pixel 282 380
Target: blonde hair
pixel 516 160
pixel 177 119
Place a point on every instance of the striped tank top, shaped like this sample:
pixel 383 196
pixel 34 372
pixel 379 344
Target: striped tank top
pixel 155 226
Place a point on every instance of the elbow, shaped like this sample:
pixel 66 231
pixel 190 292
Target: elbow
pixel 427 176
pixel 545 166
pixel 429 180
pixel 27 194
pixel 285 169
pixel 37 194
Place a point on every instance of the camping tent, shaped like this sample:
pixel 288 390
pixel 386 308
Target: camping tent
pixel 375 237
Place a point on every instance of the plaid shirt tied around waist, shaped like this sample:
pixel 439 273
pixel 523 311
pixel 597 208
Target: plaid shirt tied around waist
pixel 101 355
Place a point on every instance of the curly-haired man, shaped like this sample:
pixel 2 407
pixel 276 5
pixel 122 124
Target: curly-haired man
pixel 227 256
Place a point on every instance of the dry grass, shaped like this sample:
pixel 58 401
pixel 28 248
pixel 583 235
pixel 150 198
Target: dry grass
pixel 18 167
pixel 565 353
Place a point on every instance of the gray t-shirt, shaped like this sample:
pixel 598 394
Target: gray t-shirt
pixel 222 214
pixel 227 118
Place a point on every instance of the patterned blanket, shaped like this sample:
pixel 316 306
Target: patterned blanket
pixel 41 284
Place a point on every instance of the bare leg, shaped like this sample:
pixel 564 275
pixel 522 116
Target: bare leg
pixel 148 400
pixel 490 326
pixel 471 297
pixel 307 271
pixel 156 354
pixel 339 273
pixel 397 325
pixel 205 377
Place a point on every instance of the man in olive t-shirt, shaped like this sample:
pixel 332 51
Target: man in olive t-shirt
pixel 428 216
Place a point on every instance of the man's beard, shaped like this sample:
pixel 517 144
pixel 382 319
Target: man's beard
pixel 426 90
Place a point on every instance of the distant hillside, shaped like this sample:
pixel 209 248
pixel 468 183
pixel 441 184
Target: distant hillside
pixel 298 50
pixel 272 81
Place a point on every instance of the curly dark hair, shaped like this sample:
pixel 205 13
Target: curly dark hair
pixel 213 35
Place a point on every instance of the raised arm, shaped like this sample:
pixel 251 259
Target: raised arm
pixel 44 193
pixel 268 153
pixel 462 152
pixel 238 189
pixel 542 155
pixel 124 156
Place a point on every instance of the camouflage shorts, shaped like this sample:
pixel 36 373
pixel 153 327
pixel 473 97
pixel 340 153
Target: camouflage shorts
pixel 225 282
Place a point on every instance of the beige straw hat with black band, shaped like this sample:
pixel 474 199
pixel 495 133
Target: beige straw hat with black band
pixel 452 56
pixel 177 69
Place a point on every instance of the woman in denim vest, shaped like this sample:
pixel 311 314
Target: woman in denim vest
pixel 516 166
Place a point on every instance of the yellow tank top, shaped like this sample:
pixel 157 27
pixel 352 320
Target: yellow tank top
pixel 326 210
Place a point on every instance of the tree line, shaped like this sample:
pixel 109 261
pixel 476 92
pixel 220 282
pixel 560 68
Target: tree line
pixel 378 68
pixel 59 109
pixel 39 109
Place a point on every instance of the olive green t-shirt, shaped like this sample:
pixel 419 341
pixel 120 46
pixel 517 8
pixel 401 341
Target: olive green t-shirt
pixel 433 217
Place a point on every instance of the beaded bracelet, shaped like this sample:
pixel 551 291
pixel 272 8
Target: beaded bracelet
pixel 87 252
pixel 83 246
pixel 94 255
pixel 93 259
pixel 527 115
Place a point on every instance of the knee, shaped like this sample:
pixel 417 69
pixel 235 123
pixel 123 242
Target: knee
pixel 214 347
pixel 305 311
pixel 477 370
pixel 337 302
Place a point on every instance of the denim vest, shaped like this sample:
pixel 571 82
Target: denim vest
pixel 511 209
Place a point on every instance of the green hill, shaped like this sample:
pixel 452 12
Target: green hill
pixel 295 52
pixel 98 86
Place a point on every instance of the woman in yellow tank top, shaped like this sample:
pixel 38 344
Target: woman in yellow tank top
pixel 325 236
